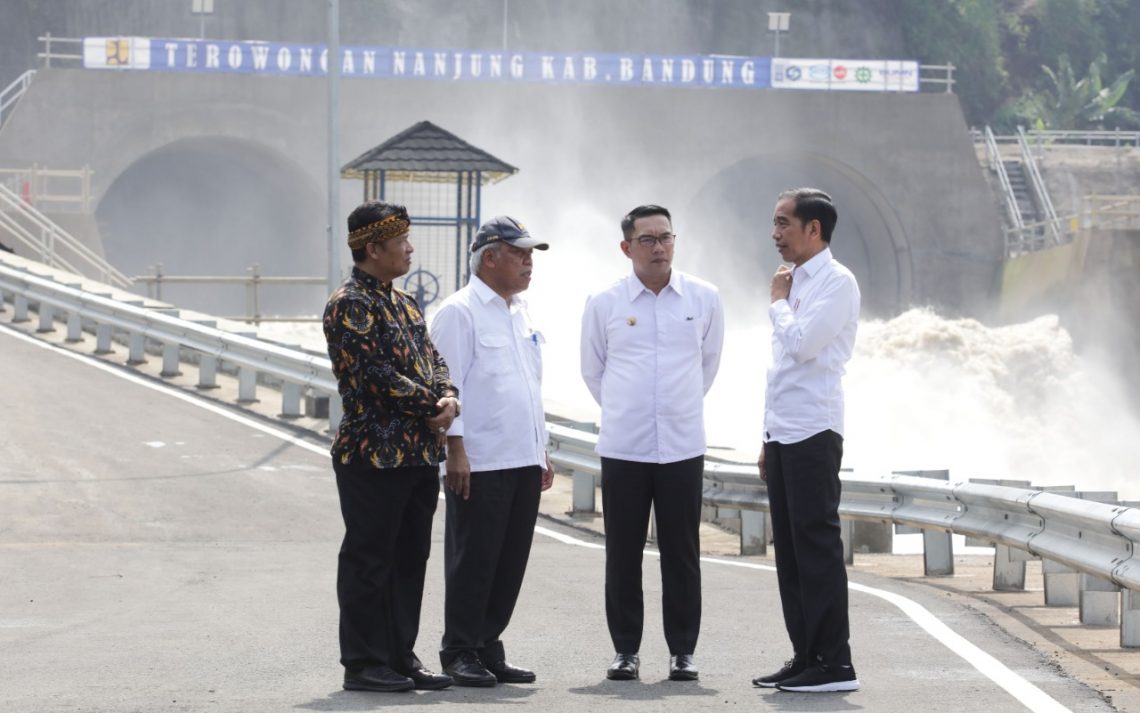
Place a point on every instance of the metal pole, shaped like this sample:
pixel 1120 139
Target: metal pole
pixel 776 53
pixel 333 146
pixel 506 13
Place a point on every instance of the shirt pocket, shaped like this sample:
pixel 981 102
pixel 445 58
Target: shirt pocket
pixel 531 346
pixel 494 353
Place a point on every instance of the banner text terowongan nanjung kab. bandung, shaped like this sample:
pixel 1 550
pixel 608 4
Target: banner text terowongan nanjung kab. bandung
pixel 300 60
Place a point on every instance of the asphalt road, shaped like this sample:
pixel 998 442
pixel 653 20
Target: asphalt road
pixel 158 553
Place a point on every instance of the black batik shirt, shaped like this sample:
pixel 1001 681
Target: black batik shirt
pixel 389 375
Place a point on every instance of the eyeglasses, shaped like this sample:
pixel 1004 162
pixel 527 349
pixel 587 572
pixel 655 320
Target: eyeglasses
pixel 648 241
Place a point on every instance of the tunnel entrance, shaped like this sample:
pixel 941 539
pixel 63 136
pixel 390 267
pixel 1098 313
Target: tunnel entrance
pixel 215 207
pixel 732 219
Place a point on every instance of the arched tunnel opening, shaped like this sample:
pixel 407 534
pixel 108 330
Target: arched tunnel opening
pixel 216 207
pixel 732 217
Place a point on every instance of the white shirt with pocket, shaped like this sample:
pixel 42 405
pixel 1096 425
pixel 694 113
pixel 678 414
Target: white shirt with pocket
pixel 494 355
pixel 648 359
pixel 813 337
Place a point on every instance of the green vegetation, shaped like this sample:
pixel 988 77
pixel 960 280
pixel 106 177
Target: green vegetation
pixel 1015 58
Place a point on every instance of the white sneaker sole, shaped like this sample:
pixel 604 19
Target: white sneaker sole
pixel 833 687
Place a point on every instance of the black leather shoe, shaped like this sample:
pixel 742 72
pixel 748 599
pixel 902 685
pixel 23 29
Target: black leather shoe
pixel 428 680
pixel 466 670
pixel 506 673
pixel 792 667
pixel 682 668
pixel 624 668
pixel 377 678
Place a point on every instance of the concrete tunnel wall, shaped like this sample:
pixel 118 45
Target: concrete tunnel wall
pixel 917 223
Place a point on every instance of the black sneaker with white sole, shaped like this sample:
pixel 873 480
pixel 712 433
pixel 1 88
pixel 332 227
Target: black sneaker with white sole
pixel 792 667
pixel 821 678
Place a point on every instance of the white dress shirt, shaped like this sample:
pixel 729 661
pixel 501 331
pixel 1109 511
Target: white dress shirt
pixel 494 355
pixel 649 360
pixel 813 335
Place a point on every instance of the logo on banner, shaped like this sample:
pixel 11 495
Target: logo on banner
pixel 840 72
pixel 793 73
pixel 118 52
pixel 863 74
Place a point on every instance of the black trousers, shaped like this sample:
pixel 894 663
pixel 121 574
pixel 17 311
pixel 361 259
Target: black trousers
pixel 380 574
pixel 629 489
pixel 486 548
pixel 804 490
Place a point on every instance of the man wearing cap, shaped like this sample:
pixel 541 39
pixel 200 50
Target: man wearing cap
pixel 398 402
pixel 496 452
pixel 651 346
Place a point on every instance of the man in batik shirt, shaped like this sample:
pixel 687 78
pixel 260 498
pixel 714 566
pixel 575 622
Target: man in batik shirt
pixel 398 404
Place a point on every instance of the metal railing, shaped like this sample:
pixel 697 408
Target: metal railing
pixel 178 338
pixel 43 237
pixel 993 158
pixel 51 189
pixel 938 75
pixel 253 283
pixel 1057 232
pixel 1043 139
pixel 50 52
pixel 1092 543
pixel 1108 212
pixel 12 93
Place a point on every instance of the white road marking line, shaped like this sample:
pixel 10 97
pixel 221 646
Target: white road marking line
pixel 1025 692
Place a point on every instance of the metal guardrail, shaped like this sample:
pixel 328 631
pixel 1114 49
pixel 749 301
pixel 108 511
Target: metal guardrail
pixel 1096 541
pixel 102 313
pixel 41 235
pixel 12 93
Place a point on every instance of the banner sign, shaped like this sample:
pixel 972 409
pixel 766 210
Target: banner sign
pixel 869 75
pixel 311 60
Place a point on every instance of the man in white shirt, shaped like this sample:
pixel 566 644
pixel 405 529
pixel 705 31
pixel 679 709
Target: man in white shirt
pixel 496 452
pixel 814 312
pixel 651 345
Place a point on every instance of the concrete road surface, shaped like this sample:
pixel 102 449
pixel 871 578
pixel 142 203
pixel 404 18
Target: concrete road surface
pixel 159 553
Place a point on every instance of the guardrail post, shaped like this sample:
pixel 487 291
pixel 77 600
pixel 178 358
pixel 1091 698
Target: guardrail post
pixel 290 400
pixel 1100 601
pixel 847 534
pixel 74 327
pixel 19 308
pixel 136 348
pixel 103 334
pixel 1009 569
pixel 47 319
pixel 247 385
pixel 207 372
pixel 1129 618
pixel 1062 585
pixel 753 539
pixel 583 493
pixel 170 361
pixel 937 553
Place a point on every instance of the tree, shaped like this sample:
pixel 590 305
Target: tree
pixel 1085 103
